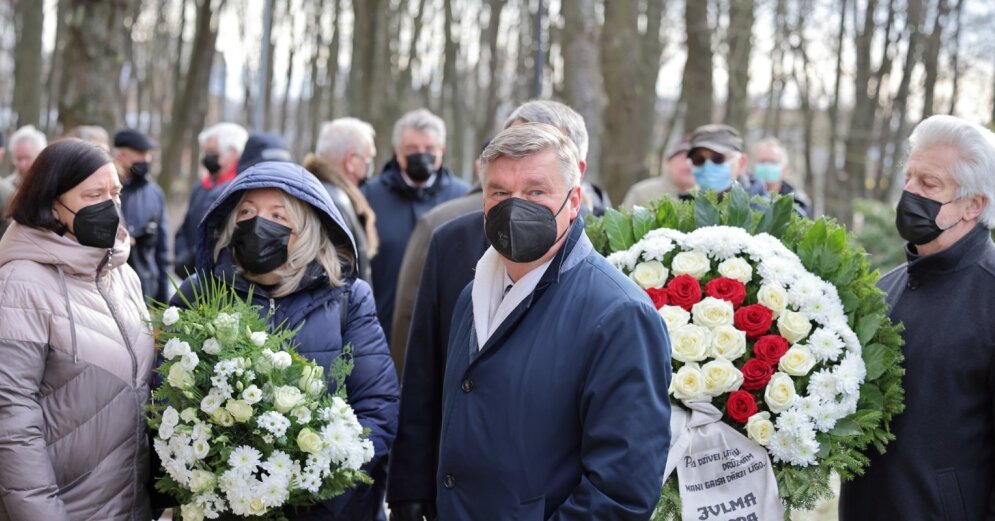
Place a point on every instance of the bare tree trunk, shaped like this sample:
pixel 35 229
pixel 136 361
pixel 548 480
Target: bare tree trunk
pixel 955 58
pixel 96 35
pixel 190 102
pixel 668 131
pixel 698 69
pixel 54 78
pixel 802 78
pixel 29 18
pixel 931 56
pixel 772 114
pixel 361 69
pixel 413 59
pixel 740 38
pixel 583 89
pixel 332 62
pixel 291 70
pixel 488 127
pixel 451 100
pixel 831 178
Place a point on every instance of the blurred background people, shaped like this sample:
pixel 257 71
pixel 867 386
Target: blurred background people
pixel 25 145
pixel 770 168
pixel 679 180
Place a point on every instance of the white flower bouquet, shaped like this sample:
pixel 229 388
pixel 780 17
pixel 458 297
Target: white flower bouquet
pixel 244 426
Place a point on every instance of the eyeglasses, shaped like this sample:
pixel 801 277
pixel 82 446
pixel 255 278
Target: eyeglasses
pixel 698 159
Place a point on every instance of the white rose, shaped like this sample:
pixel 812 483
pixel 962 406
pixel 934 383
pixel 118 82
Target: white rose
pixel 258 338
pixel 281 360
pixel 692 263
pixel 174 348
pixel 192 512
pixel 201 481
pixel 239 410
pixel 780 392
pixel 166 430
pixel 798 361
pixel 189 415
pixel 674 316
pixel 309 441
pixel 252 395
pixel 211 346
pixel 712 312
pixel 223 418
pixel 286 398
pixel 312 380
pixel 689 343
pixel 727 342
pixel 650 274
pixel 688 383
pixel 759 428
pixel 189 361
pixel 721 377
pixel 170 416
pixel 737 269
pixel 212 402
pixel 793 326
pixel 170 316
pixel 303 415
pixel 256 506
pixel 179 377
pixel 773 297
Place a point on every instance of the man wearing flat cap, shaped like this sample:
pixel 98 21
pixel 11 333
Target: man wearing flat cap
pixel 717 159
pixel 679 181
pixel 143 207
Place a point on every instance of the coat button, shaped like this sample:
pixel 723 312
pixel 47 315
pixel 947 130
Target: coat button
pixel 449 481
pixel 466 385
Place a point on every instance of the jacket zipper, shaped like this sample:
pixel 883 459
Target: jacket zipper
pixel 134 377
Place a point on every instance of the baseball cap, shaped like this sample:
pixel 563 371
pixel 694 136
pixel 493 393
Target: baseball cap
pixel 716 137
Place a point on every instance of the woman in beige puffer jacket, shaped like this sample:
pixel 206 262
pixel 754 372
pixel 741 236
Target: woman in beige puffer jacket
pixel 75 348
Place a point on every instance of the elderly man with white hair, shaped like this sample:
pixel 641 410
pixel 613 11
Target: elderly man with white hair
pixel 555 393
pixel 411 183
pixel 25 145
pixel 941 464
pixel 221 146
pixel 342 160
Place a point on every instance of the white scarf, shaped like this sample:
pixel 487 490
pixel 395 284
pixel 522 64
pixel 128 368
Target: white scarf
pixel 490 304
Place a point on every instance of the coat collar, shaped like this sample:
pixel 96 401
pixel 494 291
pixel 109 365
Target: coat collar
pixel 962 254
pixel 47 247
pixel 395 181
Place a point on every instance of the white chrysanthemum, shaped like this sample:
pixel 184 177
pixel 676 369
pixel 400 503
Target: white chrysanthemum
pixel 212 504
pixel 826 417
pixel 779 271
pixel 765 245
pixel 244 459
pixel 719 242
pixel 796 449
pixel 656 248
pixel 221 386
pixel 175 347
pixel 273 491
pixel 825 345
pixel 851 372
pixel 675 236
pixel 624 260
pixel 170 316
pixel 809 405
pixel 279 464
pixel 823 385
pixel 273 422
pixel 793 421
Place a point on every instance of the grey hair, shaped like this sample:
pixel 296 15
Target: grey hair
pixel 93 133
pixel 29 133
pixel 974 167
pixel 312 244
pixel 230 136
pixel 553 113
pixel 421 120
pixel 343 135
pixel 528 139
pixel 774 143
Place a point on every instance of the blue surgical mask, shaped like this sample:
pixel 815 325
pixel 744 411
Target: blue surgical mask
pixel 768 172
pixel 711 176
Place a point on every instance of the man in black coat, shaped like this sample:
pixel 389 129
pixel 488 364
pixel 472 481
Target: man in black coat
pixel 941 464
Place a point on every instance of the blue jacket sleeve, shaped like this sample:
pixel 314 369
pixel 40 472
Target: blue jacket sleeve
pixel 625 412
pixel 373 393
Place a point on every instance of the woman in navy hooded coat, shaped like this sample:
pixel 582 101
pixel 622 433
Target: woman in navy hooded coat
pixel 275 230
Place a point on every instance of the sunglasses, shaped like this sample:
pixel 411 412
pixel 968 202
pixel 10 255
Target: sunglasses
pixel 698 159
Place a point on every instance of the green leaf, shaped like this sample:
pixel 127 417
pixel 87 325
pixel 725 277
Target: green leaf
pixel 871 396
pixel 846 427
pixel 619 230
pixel 642 222
pixel 666 214
pixel 705 212
pixel 824 445
pixel 867 326
pixel 740 214
pixel 877 359
pixel 783 208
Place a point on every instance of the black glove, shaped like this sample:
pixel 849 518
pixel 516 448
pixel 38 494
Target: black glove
pixel 412 511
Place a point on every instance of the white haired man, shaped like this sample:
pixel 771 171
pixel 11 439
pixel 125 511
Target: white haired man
pixel 939 465
pixel 25 145
pixel 221 146
pixel 342 160
pixel 529 430
pixel 411 183
pixel 771 167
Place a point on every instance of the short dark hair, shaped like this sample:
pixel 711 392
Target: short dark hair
pixel 57 169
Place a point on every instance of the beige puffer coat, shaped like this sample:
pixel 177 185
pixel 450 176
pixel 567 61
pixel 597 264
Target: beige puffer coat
pixel 76 357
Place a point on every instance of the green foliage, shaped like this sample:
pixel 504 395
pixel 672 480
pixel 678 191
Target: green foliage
pixel 874 229
pixel 828 251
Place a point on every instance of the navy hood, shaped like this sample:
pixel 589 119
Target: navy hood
pixel 294 180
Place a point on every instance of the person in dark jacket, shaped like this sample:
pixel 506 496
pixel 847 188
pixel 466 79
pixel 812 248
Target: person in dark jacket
pixel 221 146
pixel 143 206
pixel 941 464
pixel 449 264
pixel 260 147
pixel 555 398
pixel 770 169
pixel 412 183
pixel 718 161
pixel 312 287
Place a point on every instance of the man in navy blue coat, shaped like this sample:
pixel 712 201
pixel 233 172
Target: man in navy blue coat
pixel 555 396
pixel 412 183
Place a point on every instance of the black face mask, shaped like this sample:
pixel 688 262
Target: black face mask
pixel 522 231
pixel 96 225
pixel 420 166
pixel 916 218
pixel 210 162
pixel 139 170
pixel 260 244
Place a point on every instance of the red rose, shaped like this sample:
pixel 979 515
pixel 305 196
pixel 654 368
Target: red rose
pixel 684 291
pixel 741 406
pixel 756 374
pixel 658 296
pixel 728 289
pixel 770 348
pixel 755 320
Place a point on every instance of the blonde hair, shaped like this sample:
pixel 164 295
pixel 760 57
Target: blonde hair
pixel 313 244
